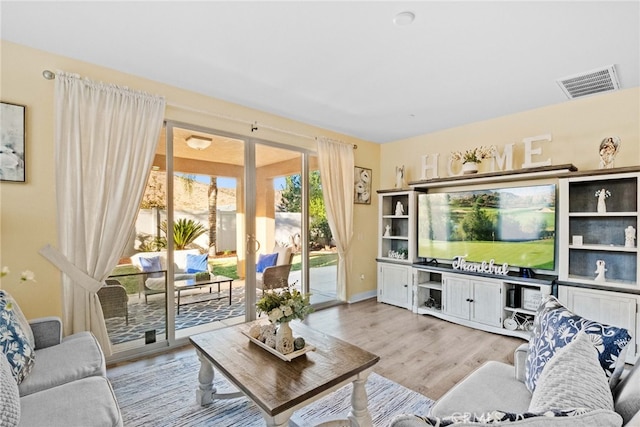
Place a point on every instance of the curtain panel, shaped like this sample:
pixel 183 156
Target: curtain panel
pixel 336 166
pixel 105 142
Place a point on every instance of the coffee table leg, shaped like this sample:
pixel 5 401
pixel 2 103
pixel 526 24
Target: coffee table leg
pixel 205 391
pixel 359 415
pixel 280 420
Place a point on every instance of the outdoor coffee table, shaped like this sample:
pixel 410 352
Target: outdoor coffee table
pixel 280 387
pixel 183 285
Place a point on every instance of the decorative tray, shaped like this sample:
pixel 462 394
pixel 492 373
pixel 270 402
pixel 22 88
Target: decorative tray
pixel 286 357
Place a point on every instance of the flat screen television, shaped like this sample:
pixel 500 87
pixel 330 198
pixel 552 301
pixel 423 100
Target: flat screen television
pixel 515 225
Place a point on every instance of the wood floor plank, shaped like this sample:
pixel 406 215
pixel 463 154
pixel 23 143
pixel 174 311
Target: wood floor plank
pixel 420 352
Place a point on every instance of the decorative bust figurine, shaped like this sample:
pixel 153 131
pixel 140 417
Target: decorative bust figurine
pixel 600 270
pixel 399 209
pixel 629 236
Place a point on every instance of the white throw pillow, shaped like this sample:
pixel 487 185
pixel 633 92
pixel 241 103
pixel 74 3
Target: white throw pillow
pixel 573 378
pixel 9 397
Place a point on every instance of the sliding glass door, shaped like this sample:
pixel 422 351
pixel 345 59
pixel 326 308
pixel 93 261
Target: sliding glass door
pixel 214 206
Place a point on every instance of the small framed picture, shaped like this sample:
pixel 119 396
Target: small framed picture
pixel 12 132
pixel 362 188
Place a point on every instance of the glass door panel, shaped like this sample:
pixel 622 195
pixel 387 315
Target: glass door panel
pixel 134 301
pixel 208 215
pixel 278 216
pixel 323 256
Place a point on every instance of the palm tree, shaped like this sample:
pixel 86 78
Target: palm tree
pixel 185 231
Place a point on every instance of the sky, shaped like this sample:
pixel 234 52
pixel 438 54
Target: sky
pixel 224 182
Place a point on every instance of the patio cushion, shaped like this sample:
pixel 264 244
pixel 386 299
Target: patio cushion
pixel 264 261
pixel 284 254
pixel 197 263
pixel 151 264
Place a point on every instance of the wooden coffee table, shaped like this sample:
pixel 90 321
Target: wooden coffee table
pixel 280 387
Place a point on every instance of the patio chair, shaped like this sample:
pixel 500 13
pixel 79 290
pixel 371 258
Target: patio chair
pixel 114 300
pixel 274 277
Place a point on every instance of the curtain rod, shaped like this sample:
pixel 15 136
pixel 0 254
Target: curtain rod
pixel 50 75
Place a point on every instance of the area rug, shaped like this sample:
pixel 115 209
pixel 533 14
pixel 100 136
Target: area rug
pixel 163 394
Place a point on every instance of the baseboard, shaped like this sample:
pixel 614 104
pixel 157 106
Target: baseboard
pixel 363 296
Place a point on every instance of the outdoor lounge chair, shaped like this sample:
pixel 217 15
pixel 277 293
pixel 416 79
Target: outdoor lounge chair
pixel 114 300
pixel 276 276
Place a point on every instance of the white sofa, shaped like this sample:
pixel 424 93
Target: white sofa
pixel 155 285
pixel 574 368
pixel 499 386
pixel 67 384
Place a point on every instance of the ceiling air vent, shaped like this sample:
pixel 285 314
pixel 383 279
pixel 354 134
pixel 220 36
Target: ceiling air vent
pixel 590 82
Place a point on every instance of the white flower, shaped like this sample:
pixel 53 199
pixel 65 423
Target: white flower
pixel 27 275
pixel 24 276
pixel 287 310
pixel 275 315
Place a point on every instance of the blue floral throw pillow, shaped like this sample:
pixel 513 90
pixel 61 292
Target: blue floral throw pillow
pixel 13 340
pixel 501 417
pixel 555 326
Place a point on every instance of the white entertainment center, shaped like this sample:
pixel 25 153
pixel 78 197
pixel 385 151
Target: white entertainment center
pixel 506 304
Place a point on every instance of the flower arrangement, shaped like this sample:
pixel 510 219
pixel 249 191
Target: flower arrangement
pixel 26 275
pixel 285 305
pixel 474 155
pixel 603 193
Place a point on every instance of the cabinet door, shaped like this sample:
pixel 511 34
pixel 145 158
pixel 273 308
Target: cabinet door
pixel 486 305
pixel 456 294
pixel 393 284
pixel 604 307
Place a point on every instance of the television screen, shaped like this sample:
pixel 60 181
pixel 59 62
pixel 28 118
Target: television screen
pixel 509 225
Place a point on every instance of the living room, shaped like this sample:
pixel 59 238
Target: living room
pixel 28 210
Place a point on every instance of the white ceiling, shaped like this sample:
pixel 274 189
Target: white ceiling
pixel 345 66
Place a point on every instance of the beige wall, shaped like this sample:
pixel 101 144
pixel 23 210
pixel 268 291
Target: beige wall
pixel 27 211
pixel 577 127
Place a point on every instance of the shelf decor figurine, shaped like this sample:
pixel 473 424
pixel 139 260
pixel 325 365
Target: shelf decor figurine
pixel 400 182
pixel 600 270
pixel 629 237
pixel 387 231
pixel 609 147
pixel 399 209
pixel 602 194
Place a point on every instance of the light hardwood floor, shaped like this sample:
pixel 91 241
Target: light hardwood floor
pixel 422 353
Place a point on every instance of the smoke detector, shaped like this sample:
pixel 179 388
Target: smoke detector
pixel 590 82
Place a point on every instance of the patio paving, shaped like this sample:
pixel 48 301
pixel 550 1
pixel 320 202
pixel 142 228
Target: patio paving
pixel 202 309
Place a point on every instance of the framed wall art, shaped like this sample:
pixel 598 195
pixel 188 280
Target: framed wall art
pixel 362 190
pixel 12 142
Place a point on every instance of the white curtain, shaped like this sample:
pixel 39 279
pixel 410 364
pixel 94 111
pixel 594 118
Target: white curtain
pixel 105 141
pixel 336 163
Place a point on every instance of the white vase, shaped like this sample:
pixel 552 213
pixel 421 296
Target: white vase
pixel 469 168
pixel 284 338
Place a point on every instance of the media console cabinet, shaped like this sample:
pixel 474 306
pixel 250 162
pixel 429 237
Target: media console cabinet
pixel 506 304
